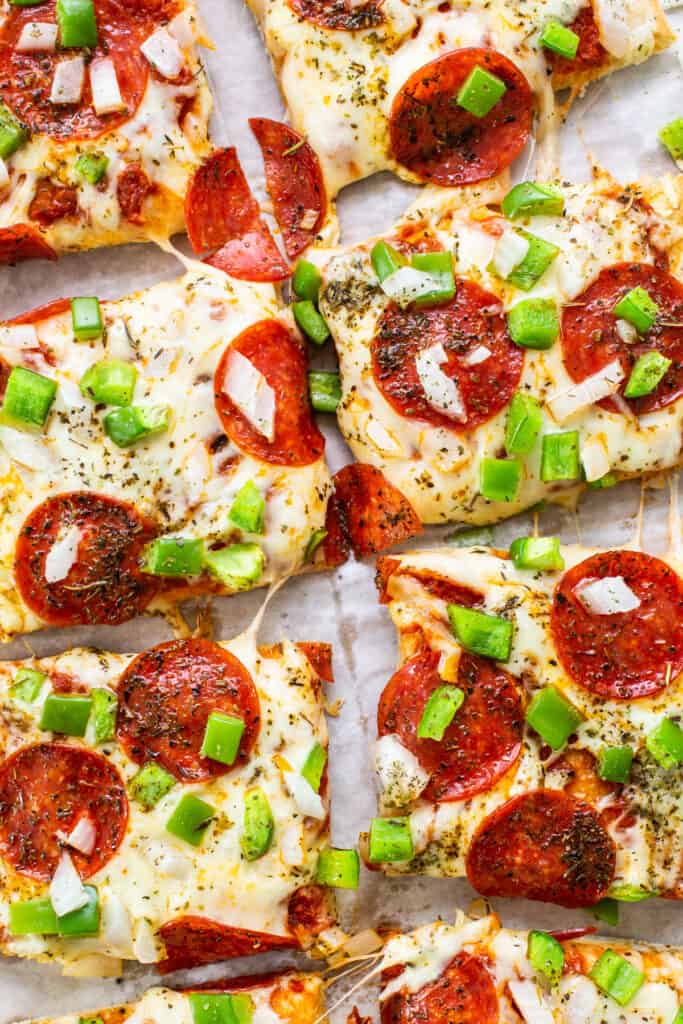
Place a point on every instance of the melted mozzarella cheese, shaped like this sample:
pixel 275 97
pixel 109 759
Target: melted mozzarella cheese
pixel 402 776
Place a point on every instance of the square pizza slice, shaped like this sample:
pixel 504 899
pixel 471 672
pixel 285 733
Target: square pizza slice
pixel 153 448
pixel 288 998
pixel 169 807
pixel 502 347
pixel 477 971
pixel 441 92
pixel 531 737
pixel 104 114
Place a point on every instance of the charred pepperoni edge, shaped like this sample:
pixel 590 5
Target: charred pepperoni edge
pixel 294 181
pixel 569 934
pixel 464 993
pixel 366 513
pixel 340 15
pixel 242 983
pixel 221 213
pixel 22 242
pixel 320 657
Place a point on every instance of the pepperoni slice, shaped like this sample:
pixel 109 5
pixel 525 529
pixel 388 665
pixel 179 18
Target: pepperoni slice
pixel 341 15
pixel 294 181
pixel 46 312
pixel 463 994
pixel 166 696
pixel 471 319
pixel 192 940
pixel 483 741
pixel 591 53
pixel 23 242
pixel 132 188
pixel 310 912
pixel 47 788
pixel 26 78
pixel 442 142
pixel 320 657
pixel 277 354
pixel 221 213
pixel 628 654
pixel 545 846
pixel 105 585
pixel 590 339
pixel 439 586
pixel 52 202
pixel 367 513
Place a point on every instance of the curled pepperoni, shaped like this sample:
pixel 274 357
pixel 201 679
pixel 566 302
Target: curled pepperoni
pixel 23 242
pixel 463 994
pixel 105 584
pixel 591 53
pixel 47 788
pixel 590 340
pixel 545 846
pixel 132 188
pixel 192 940
pixel 52 202
pixel 366 513
pixel 26 78
pixel 166 696
pixel 294 181
pixel 341 15
pixel 221 213
pixel 628 654
pixel 483 741
pixel 277 354
pixel 442 142
pixel 471 319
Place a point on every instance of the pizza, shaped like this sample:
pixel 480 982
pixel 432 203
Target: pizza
pixel 289 998
pixel 530 738
pixel 385 85
pixel 476 972
pixel 153 448
pixel 169 807
pixel 488 346
pixel 103 120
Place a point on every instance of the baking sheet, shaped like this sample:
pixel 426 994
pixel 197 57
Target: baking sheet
pixel 615 125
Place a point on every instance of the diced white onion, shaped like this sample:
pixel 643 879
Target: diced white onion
pixel 82 836
pixel 67 84
pixel 4 174
pixel 62 555
pixel 579 998
pixel 37 37
pixel 589 391
pixel 184 27
pixel 383 439
pixel 67 892
pixel 304 796
pixel 29 451
pixel 116 934
pixel 118 340
pixel 441 391
pixel 251 393
pixel 613 26
pixel 145 943
pixel 163 52
pixel 594 459
pixel 407 284
pixel 309 219
pixel 104 82
pixel 167 860
pixel 510 250
pixel 19 336
pixel 400 773
pixel 627 332
pixel 610 595
pixel 478 355
pixel 291 846
pixel 529 1002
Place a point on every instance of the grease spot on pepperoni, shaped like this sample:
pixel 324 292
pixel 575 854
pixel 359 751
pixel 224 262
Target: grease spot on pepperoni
pixel 463 994
pixel 105 586
pixel 440 141
pixel 590 55
pixel 340 15
pixel 366 513
pixel 132 188
pixel 544 845
pixel 472 318
pixel 48 787
pixel 294 181
pixel 590 339
pixel 277 354
pixel 52 202
pixel 26 78
pixel 629 654
pixel 483 741
pixel 166 696
pixel 193 940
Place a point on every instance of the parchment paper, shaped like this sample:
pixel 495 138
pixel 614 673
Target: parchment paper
pixel 615 125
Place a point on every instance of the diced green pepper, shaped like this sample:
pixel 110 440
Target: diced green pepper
pixel 90 1020
pixel 104 707
pixel 258 826
pixel 222 737
pixel 537 553
pixel 324 387
pixel 630 893
pixel 32 917
pixel 13 134
pixel 678 1019
pixel 111 382
pixel 606 910
pixel 133 423
pixel 390 840
pixel 386 260
pixel 523 424
pixel 338 869
pixel 472 537
pixel 174 556
pixel 150 784
pixel 438 265
pixel 306 281
pixel 314 766
pixel 310 321
pixel 85 921
pixel 608 480
pixel 646 374
pixel 92 167
pixel 560 39
pixel 439 712
pixel 190 819
pixel 552 716
pixel 220 1008
pixel 540 256
pixel 236 566
pixel 248 510
pixel 66 714
pixel 77 23
pixel 614 763
pixel 529 199
pixel 86 318
pixel 546 955
pixel 534 323
pixel 480 92
pixel 616 977
pixel 665 743
pixel 560 458
pixel 638 308
pixel 500 479
pixel 28 399
pixel 27 684
pixel 488 635
pixel 314 542
pixel 671 135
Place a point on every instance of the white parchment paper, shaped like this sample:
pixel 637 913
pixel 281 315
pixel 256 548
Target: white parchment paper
pixel 616 125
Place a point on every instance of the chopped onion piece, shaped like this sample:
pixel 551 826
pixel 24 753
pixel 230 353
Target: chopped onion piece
pixel 407 284
pixel 291 846
pixel 478 355
pixel 594 459
pixel 37 37
pixel 304 796
pixel 529 1002
pixel 589 391
pixel 441 391
pixel 67 84
pixel 62 555
pixel 610 595
pixel 400 773
pixel 67 892
pixel 580 999
pixel 82 836
pixel 119 345
pixel 613 27
pixel 19 336
pixel 251 393
pixel 145 943
pixel 106 94
pixel 184 27
pixel 510 250
pixel 308 220
pixel 627 332
pixel 163 52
